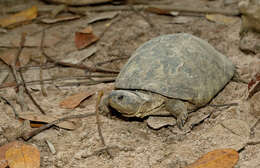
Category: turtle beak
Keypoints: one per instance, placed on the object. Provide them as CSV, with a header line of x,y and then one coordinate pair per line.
x,y
125,102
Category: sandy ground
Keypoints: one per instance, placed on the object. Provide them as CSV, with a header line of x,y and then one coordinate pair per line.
x,y
131,142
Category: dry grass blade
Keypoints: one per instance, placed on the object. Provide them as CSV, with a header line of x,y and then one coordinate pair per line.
x,y
100,94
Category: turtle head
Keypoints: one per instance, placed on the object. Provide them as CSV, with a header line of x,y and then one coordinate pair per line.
x,y
126,102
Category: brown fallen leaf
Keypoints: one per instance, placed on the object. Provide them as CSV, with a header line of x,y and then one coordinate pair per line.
x,y
18,18
21,155
38,119
219,158
3,150
74,100
254,85
8,56
85,37
25,57
218,18
59,19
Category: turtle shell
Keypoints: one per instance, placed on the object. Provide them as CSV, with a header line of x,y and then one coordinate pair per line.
x,y
179,66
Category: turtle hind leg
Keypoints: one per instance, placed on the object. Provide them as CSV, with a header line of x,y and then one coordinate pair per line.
x,y
178,109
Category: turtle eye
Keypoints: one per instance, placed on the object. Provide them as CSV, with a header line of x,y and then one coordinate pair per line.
x,y
120,97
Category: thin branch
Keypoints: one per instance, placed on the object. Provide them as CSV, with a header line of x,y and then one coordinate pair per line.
x,y
100,94
11,105
80,66
49,80
30,96
111,60
28,135
43,90
17,78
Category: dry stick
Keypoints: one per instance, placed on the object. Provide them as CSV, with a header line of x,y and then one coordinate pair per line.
x,y
100,94
36,82
92,82
29,94
44,93
17,78
12,106
80,66
106,8
29,135
111,60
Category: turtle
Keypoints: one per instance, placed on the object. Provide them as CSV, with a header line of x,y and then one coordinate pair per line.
x,y
169,75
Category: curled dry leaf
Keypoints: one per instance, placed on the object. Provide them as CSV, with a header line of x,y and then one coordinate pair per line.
x,y
102,16
59,19
18,18
38,119
74,100
21,155
254,85
85,37
219,158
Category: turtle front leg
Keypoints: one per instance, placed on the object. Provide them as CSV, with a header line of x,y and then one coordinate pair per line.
x,y
178,109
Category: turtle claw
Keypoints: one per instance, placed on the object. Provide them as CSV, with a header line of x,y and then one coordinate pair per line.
x,y
182,119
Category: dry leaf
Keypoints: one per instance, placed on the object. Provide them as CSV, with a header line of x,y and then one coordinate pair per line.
x,y
73,101
219,158
254,85
18,18
102,16
34,118
3,150
218,18
23,156
8,56
25,57
59,19
84,38
78,57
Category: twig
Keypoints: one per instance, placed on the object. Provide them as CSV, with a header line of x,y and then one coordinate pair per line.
x,y
100,94
223,105
29,135
11,105
105,8
17,78
44,93
36,82
111,60
92,82
252,129
80,66
104,149
29,94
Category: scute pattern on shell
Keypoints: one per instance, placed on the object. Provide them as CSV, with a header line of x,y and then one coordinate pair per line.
x,y
178,66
